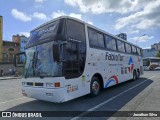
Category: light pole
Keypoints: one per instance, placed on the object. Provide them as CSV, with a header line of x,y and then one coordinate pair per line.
x,y
140,37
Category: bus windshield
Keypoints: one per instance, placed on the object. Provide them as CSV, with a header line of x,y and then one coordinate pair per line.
x,y
155,60
40,61
52,31
146,62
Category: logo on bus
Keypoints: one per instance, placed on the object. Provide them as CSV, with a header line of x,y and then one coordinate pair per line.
x,y
114,57
131,65
113,79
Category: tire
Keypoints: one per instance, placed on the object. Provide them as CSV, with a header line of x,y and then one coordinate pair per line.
x,y
138,74
134,75
95,87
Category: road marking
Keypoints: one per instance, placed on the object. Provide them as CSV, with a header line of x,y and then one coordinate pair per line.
x,y
12,100
103,103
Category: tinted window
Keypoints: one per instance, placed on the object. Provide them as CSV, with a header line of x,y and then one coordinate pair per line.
x,y
128,48
75,52
114,46
100,40
134,50
75,30
139,51
110,43
120,45
96,39
93,38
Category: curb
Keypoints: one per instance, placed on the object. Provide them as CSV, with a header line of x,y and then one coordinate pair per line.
x,y
10,78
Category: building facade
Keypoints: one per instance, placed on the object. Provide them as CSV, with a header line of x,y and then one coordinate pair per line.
x,y
150,52
156,46
16,38
123,36
9,50
1,37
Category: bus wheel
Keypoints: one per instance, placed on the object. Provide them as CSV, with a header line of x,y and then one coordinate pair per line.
x,y
134,75
138,74
95,86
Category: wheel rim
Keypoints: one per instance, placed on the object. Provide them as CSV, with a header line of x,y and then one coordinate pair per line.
x,y
95,87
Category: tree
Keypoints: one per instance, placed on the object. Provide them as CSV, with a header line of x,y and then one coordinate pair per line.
x,y
158,54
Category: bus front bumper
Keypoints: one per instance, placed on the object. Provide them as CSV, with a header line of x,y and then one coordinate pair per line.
x,y
46,94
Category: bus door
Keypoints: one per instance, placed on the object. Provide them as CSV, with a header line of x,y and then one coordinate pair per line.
x,y
72,64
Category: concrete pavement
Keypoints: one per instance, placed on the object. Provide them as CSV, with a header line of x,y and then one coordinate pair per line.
x,y
144,95
9,78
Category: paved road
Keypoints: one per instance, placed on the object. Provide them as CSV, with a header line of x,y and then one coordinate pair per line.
x,y
139,95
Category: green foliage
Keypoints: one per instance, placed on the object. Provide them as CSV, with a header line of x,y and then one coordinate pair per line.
x,y
158,54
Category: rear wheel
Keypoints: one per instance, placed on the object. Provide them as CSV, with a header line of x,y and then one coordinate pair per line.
x,y
138,74
134,75
95,86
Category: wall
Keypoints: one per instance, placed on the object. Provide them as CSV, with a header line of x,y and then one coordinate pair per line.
x,y
16,39
1,36
6,66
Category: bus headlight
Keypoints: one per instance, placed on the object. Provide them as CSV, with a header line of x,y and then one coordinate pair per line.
x,y
49,84
24,83
57,84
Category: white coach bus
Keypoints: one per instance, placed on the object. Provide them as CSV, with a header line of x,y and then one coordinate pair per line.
x,y
67,58
151,63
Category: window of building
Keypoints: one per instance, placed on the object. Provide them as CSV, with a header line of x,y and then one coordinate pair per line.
x,y
120,46
11,49
128,48
5,55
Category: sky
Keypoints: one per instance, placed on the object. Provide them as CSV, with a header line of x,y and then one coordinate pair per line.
x,y
139,19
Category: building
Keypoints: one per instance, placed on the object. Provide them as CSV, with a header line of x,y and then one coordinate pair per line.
x,y
1,37
150,52
156,46
9,50
23,43
16,38
123,36
22,40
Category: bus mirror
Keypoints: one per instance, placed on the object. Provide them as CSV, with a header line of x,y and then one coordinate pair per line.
x,y
19,59
56,56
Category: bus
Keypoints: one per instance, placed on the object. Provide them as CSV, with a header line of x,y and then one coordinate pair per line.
x,y
67,58
151,63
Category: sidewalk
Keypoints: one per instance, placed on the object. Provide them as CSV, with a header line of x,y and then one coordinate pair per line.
x,y
9,78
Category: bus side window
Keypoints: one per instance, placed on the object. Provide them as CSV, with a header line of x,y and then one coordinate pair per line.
x,y
100,40
110,42
96,39
120,45
128,48
138,51
134,51
93,38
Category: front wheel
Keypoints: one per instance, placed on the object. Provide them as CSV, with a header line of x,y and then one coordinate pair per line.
x,y
95,86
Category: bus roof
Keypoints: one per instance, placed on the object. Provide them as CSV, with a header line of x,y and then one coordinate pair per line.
x,y
87,25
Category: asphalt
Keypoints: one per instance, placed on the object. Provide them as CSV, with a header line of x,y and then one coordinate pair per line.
x,y
138,95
